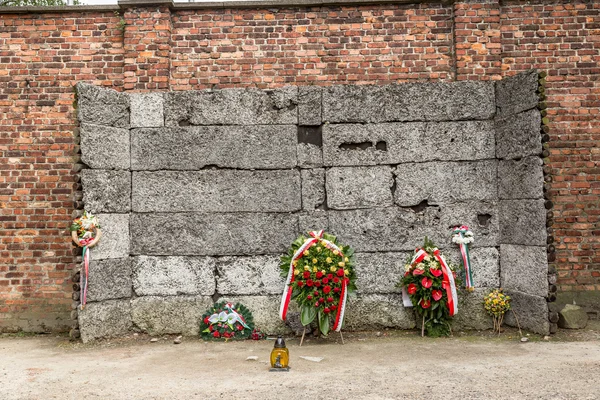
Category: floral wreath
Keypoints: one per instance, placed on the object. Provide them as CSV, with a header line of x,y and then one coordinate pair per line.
x,y
319,276
227,321
85,230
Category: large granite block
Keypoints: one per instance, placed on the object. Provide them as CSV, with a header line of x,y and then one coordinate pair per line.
x,y
471,312
189,148
313,188
485,264
446,182
380,272
169,315
103,147
265,311
520,179
523,222
232,107
115,237
394,143
309,106
101,106
524,268
312,221
519,135
217,191
517,93
372,311
147,110
212,234
309,155
258,275
359,187
109,279
106,191
437,101
172,276
106,319
531,311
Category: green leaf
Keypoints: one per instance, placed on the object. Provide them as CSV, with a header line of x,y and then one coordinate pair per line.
x,y
323,323
206,330
307,315
73,227
435,305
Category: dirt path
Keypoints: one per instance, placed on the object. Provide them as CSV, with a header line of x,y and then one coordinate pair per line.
x,y
366,367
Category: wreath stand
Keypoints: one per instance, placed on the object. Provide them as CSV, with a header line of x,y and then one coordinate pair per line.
x,y
304,333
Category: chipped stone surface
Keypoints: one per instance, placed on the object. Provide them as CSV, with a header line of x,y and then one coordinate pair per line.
x,y
379,272
103,147
265,310
106,319
257,275
445,182
216,191
357,144
519,135
147,110
359,187
169,315
378,310
523,222
173,276
522,179
309,155
313,221
532,312
232,107
313,188
115,237
195,147
106,191
109,279
517,93
485,264
101,106
436,101
212,233
471,312
309,106
524,268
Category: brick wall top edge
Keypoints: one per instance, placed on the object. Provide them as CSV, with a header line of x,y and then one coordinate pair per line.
x,y
58,9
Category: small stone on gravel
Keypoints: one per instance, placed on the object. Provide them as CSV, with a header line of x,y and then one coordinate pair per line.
x,y
177,340
154,340
252,358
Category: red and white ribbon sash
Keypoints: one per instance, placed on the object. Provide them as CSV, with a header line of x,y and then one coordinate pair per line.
x,y
462,236
84,275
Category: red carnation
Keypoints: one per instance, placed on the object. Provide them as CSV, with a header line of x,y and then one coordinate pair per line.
x,y
318,283
330,299
436,294
240,328
340,272
336,280
309,283
206,320
300,283
329,276
326,310
317,304
336,290
347,281
426,282
412,288
319,274
210,328
332,307
436,272
216,334
306,274
325,281
321,300
316,292
327,289
418,272
425,304
309,297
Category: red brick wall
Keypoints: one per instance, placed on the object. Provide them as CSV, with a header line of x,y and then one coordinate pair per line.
x,y
43,55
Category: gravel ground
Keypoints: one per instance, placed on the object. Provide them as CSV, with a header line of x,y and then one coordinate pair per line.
x,y
388,365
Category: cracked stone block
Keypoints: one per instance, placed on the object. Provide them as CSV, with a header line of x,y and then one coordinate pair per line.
x,y
379,272
103,147
519,135
309,105
517,93
532,312
485,264
435,101
359,187
173,276
115,237
232,107
309,156
313,188
403,142
146,110
312,221
217,191
521,179
106,319
523,222
196,147
101,106
471,312
212,233
265,311
446,182
257,275
169,315
378,310
524,268
109,279
106,191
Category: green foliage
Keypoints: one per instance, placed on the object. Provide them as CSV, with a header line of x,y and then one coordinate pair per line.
x,y
122,23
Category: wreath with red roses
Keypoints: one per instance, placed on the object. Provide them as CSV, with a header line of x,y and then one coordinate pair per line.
x,y
225,321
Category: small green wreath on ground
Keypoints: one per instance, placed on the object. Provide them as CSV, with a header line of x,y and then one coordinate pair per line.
x,y
227,321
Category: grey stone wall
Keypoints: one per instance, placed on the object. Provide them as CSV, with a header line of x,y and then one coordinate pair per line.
x,y
200,192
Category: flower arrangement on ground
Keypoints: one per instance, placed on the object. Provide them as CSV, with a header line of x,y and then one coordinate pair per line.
x,y
227,321
497,303
319,277
428,285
